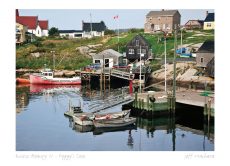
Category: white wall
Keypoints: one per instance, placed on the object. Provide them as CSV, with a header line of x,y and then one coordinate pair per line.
x,y
101,62
45,32
70,35
38,31
94,33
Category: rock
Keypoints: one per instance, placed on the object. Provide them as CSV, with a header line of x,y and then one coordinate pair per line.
x,y
95,45
58,74
69,73
92,54
36,54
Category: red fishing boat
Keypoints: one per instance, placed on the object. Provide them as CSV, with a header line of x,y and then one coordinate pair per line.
x,y
46,78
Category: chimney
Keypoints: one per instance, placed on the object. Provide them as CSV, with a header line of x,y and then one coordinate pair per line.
x,y
17,13
206,13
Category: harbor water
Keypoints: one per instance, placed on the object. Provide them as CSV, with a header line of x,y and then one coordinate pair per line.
x,y
42,126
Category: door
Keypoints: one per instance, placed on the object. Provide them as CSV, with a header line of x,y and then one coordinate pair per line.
x,y
106,62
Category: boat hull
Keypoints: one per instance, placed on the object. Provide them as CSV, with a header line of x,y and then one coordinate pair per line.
x,y
114,122
22,81
82,120
37,79
86,119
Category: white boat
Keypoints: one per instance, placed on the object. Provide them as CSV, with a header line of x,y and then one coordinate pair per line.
x,y
120,122
88,118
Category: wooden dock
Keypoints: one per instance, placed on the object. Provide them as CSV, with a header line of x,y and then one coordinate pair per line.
x,y
163,101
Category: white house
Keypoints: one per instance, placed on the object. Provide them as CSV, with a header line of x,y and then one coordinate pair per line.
x,y
35,26
93,29
71,33
111,58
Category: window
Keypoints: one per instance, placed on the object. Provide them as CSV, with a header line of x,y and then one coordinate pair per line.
x,y
77,35
209,24
157,27
138,51
201,60
143,51
131,51
137,43
97,61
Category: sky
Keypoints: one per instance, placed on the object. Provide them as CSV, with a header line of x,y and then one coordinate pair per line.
x,y
71,19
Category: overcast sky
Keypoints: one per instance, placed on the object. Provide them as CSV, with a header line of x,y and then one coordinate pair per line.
x,y
128,18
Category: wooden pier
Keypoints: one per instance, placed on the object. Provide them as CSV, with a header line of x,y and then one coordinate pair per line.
x,y
160,101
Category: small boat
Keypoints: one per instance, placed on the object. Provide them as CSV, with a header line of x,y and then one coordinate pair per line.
x,y
82,129
83,119
46,78
99,131
22,81
87,118
120,122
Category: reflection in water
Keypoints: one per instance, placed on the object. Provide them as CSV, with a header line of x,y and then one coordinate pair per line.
x,y
56,131
130,140
22,98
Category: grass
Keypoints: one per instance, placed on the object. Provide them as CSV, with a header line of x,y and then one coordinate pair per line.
x,y
65,53
74,60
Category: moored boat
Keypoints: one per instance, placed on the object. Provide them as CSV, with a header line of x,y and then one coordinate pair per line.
x,y
120,122
46,78
87,118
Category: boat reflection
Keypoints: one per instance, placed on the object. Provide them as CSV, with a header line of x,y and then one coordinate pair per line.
x,y
49,89
99,131
82,129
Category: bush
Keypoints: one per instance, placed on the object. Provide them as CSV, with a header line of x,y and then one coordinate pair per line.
x,y
109,32
135,30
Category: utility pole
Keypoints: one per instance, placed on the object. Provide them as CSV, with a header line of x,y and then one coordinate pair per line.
x,y
174,67
140,68
181,39
104,71
118,33
165,63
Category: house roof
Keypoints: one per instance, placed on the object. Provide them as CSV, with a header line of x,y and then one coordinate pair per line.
x,y
43,24
207,47
109,53
29,21
99,27
201,22
210,17
139,36
162,13
70,31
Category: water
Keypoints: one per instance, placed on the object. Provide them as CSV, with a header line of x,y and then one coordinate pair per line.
x,y
42,126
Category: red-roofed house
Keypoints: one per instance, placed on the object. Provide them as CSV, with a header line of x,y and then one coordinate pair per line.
x,y
43,27
37,27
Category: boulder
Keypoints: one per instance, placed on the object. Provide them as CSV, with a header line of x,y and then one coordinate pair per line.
x,y
69,73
